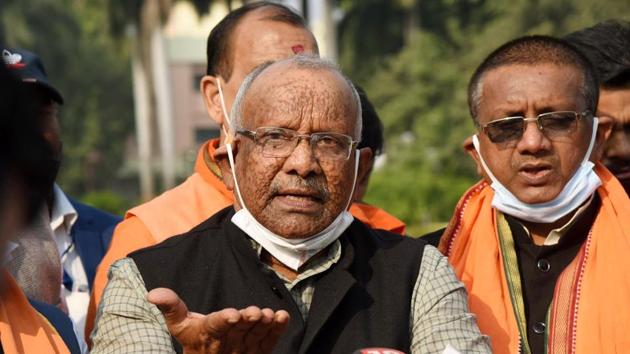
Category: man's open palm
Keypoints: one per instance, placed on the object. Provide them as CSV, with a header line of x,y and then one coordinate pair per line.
x,y
230,331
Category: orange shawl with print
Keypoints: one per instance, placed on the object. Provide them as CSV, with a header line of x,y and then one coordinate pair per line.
x,y
22,329
590,311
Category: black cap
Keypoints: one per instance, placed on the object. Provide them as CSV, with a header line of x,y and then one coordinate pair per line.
x,y
29,68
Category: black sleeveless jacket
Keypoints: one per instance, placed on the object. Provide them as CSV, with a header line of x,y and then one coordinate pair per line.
x,y
361,301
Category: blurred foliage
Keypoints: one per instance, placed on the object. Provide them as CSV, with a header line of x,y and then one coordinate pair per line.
x,y
92,71
414,59
108,201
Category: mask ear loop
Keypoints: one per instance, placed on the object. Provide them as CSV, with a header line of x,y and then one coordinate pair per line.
x,y
228,144
354,182
228,137
475,140
591,145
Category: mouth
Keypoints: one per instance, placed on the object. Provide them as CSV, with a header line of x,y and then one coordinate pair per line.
x,y
304,201
535,173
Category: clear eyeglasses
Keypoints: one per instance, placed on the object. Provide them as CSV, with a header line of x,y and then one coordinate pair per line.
x,y
280,142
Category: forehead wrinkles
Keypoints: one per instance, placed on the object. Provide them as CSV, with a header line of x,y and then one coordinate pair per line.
x,y
299,102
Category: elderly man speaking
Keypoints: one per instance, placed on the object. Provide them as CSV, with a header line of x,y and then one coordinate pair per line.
x,y
543,242
287,269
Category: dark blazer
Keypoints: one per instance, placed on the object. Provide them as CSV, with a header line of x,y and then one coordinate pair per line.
x,y
363,300
61,322
91,234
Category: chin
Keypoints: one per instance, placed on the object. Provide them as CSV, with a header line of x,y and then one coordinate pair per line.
x,y
538,195
297,226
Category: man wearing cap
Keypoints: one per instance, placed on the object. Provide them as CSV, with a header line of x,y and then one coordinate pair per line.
x,y
58,254
265,32
542,242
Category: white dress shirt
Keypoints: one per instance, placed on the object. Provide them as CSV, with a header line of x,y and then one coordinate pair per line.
x,y
62,219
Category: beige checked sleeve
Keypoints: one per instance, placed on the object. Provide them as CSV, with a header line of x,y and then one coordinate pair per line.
x,y
126,322
440,314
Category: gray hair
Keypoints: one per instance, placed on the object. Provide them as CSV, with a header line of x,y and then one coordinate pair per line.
x,y
301,62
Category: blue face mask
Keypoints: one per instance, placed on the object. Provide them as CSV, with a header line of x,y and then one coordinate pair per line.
x,y
578,189
291,252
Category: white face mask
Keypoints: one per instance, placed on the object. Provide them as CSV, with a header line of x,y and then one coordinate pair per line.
x,y
580,187
291,252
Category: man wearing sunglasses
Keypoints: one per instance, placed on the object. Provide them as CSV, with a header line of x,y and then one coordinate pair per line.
x,y
542,242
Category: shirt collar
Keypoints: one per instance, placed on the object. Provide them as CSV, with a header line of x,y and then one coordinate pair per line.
x,y
554,236
63,213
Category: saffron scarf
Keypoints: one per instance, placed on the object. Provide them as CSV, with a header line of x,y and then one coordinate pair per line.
x,y
22,329
590,309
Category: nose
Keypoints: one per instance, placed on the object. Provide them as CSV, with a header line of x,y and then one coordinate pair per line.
x,y
533,140
302,160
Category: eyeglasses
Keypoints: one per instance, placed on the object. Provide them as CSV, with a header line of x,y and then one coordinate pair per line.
x,y
280,142
552,124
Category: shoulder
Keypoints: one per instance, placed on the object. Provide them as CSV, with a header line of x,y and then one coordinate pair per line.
x,y
93,216
387,249
433,238
383,239
205,233
60,321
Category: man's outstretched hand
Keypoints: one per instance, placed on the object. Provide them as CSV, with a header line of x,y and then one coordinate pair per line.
x,y
231,331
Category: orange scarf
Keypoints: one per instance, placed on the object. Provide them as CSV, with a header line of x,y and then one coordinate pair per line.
x,y
590,311
22,329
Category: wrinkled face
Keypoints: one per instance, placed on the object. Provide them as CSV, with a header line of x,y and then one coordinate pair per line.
x,y
615,103
296,196
257,41
534,168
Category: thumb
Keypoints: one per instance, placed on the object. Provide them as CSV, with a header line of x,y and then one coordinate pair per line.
x,y
172,307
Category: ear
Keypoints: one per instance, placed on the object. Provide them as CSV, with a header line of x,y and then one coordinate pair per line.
x,y
604,129
221,158
366,162
211,98
469,147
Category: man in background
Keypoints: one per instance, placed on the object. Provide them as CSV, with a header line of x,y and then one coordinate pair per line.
x,y
607,46
26,326
60,250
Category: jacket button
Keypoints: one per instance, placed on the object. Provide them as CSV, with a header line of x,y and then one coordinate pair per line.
x,y
543,265
539,327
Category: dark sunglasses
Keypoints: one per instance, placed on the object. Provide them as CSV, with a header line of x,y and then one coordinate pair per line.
x,y
552,124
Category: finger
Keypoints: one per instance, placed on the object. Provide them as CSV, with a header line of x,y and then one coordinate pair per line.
x,y
218,324
172,307
234,339
278,327
258,332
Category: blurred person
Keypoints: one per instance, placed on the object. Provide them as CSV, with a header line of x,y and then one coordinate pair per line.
x,y
542,242
246,38
60,250
26,326
287,268
607,45
372,137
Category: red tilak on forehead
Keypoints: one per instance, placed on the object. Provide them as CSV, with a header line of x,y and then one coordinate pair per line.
x,y
297,49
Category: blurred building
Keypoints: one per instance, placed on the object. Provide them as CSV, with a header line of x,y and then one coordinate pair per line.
x,y
180,52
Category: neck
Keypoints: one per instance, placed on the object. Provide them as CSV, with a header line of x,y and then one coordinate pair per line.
x,y
540,231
